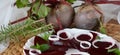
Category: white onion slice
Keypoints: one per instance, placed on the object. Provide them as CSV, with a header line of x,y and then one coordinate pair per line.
x,y
85,42
104,40
67,33
81,33
38,51
54,38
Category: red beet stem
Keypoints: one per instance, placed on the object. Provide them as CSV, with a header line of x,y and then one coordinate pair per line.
x,y
59,22
19,20
106,2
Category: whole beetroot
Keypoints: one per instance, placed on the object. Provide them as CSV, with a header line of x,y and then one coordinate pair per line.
x,y
86,17
61,15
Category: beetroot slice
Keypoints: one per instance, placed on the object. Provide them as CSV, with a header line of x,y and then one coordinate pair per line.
x,y
99,51
63,35
53,53
39,40
35,52
26,52
59,45
84,37
94,36
103,44
56,30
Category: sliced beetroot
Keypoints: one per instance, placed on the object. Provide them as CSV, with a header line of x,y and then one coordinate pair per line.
x,y
85,44
26,52
99,51
94,36
53,53
74,43
60,43
63,35
56,30
84,37
103,44
35,52
53,38
39,40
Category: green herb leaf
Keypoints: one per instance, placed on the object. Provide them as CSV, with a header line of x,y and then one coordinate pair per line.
x,y
103,30
41,11
71,1
115,50
46,35
22,3
98,37
42,47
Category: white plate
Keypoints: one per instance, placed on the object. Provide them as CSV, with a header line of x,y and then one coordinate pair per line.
x,y
73,31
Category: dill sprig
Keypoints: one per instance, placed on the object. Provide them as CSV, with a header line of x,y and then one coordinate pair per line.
x,y
27,28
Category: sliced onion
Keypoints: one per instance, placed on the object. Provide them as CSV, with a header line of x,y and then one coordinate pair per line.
x,y
104,40
83,33
69,36
54,38
85,42
37,52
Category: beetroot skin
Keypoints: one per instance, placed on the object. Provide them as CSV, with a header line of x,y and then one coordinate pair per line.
x,y
62,14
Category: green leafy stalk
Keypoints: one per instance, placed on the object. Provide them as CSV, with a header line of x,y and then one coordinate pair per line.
x,y
102,28
29,27
15,31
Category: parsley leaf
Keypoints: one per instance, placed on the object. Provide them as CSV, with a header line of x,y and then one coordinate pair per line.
x,y
22,3
42,47
71,1
46,35
103,30
115,50
42,11
97,37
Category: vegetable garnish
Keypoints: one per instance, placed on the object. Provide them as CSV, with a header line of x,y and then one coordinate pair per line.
x,y
42,47
115,50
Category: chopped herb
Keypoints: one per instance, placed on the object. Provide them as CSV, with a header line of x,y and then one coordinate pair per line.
x,y
97,37
71,1
115,50
42,47
46,35
22,3
102,28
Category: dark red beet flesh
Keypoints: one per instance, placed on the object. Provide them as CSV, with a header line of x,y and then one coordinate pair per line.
x,y
35,52
94,36
99,51
54,53
63,35
85,45
26,52
103,44
84,37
